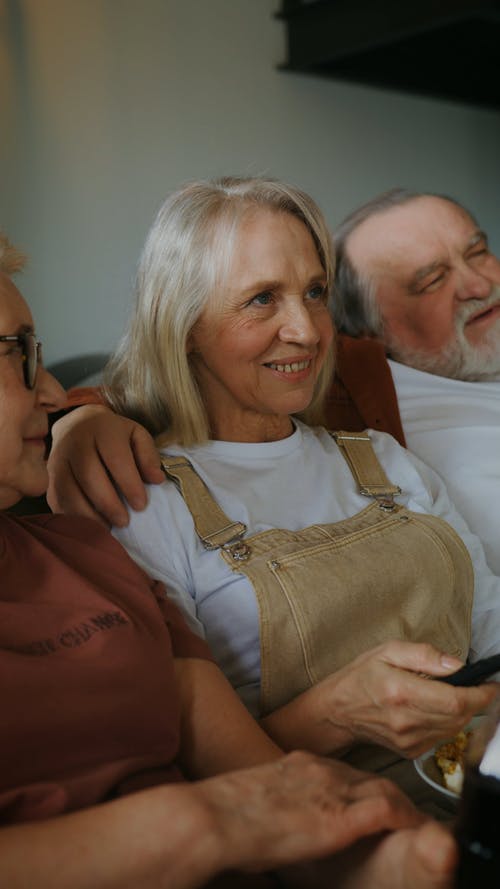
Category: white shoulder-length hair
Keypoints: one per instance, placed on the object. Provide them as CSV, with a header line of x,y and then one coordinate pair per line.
x,y
186,258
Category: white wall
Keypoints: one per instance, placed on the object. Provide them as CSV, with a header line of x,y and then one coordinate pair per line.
x,y
106,105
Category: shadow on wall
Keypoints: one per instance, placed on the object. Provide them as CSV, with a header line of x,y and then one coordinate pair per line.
x,y
82,370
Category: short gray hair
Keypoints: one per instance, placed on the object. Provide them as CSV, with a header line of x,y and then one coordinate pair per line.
x,y
185,260
12,260
355,310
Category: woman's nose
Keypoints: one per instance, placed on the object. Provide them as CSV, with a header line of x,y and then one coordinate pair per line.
x,y
298,326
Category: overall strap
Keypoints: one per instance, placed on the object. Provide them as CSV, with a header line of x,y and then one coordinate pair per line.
x,y
211,524
372,481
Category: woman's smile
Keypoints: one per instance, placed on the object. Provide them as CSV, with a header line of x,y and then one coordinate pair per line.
x,y
294,368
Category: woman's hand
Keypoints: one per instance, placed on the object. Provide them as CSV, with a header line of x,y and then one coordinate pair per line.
x,y
302,808
95,452
299,807
382,697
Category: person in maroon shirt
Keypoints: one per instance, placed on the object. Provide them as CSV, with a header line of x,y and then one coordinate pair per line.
x,y
109,702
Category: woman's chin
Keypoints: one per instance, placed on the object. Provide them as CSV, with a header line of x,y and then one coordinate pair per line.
x,y
37,489
294,402
35,486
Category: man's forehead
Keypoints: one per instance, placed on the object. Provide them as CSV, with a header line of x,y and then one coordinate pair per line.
x,y
414,235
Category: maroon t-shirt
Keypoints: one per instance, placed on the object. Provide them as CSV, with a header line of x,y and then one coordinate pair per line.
x,y
89,708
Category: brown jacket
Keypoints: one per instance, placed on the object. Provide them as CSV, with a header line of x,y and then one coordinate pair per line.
x,y
362,393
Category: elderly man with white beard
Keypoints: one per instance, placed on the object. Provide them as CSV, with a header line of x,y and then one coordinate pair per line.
x,y
416,283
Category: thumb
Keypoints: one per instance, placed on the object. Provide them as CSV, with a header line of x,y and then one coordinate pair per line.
x,y
436,855
420,658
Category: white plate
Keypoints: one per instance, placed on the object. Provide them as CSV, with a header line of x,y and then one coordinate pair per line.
x,y
428,770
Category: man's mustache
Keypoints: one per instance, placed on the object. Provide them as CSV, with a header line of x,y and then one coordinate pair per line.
x,y
474,306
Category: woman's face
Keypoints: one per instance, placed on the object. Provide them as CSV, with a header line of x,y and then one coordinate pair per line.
x,y
23,412
259,345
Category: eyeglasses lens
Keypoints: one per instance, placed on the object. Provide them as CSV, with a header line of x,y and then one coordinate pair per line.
x,y
31,356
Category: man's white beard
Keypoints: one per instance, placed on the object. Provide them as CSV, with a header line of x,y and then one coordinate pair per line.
x,y
459,360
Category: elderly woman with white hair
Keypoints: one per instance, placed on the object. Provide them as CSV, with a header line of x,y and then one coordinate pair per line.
x,y
329,573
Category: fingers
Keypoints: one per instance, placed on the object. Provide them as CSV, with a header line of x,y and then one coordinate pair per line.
x,y
422,859
130,462
379,810
114,458
146,456
100,502
96,456
425,858
436,856
363,803
383,698
456,702
420,712
431,698
419,657
426,660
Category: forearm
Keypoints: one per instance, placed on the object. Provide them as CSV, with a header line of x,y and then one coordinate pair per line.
x,y
308,723
218,733
157,839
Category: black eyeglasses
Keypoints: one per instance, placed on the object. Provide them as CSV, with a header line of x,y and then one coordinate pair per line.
x,y
31,350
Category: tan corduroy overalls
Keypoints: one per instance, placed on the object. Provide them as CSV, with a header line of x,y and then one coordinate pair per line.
x,y
327,593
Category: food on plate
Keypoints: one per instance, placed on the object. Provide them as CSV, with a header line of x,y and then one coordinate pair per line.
x,y
449,759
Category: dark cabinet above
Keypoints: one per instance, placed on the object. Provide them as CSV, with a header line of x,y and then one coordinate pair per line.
x,y
449,49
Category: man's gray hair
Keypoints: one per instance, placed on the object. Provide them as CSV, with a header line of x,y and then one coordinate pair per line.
x,y
355,310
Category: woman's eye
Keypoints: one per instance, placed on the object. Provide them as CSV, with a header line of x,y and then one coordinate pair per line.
x,y
317,292
262,299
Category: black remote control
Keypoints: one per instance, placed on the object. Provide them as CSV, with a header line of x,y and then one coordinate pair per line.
x,y
473,674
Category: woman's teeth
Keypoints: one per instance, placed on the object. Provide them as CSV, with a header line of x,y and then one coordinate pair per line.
x,y
290,368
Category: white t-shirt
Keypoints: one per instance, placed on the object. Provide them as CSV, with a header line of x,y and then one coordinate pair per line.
x,y
454,426
291,484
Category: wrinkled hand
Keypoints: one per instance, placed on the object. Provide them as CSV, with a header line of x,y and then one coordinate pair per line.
x,y
384,698
95,452
297,808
